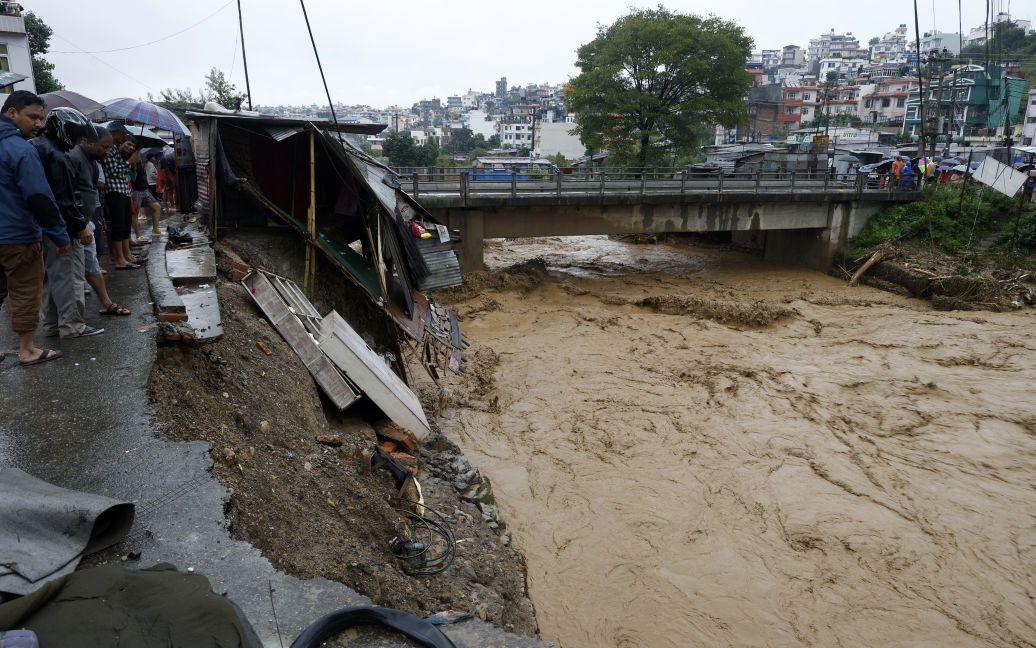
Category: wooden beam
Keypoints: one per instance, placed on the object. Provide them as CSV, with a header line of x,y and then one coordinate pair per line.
x,y
310,274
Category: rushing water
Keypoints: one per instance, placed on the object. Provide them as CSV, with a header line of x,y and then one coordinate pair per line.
x,y
862,472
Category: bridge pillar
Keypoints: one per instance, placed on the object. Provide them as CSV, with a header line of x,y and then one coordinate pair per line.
x,y
473,230
816,247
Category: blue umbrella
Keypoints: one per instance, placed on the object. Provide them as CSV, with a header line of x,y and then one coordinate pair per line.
x,y
145,112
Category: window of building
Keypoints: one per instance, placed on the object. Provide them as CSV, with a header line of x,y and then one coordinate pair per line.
x,y
807,97
1031,120
900,102
886,102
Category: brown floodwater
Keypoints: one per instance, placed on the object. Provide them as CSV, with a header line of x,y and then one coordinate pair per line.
x,y
860,471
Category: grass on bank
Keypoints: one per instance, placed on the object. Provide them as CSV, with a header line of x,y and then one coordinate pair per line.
x,y
953,219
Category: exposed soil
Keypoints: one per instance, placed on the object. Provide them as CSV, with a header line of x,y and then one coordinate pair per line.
x,y
853,468
316,510
964,281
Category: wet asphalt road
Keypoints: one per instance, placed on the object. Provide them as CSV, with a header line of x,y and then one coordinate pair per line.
x,y
83,422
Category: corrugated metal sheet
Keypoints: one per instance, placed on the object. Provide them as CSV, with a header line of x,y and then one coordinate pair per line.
x,y
434,265
201,134
10,78
281,133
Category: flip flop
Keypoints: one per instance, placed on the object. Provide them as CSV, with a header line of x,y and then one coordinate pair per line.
x,y
46,356
114,309
128,266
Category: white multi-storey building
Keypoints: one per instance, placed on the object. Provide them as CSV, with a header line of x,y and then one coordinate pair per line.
x,y
831,45
891,48
937,40
14,47
1029,124
977,36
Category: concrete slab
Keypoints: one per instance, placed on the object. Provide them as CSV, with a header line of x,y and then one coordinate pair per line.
x,y
203,313
84,422
163,292
191,266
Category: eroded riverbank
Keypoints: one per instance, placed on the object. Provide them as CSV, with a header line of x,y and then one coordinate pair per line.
x,y
855,469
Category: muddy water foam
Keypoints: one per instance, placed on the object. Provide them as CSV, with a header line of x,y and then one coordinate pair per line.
x,y
862,472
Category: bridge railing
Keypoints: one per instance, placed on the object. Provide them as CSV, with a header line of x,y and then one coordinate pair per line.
x,y
466,182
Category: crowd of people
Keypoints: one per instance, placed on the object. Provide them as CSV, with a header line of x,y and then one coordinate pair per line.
x,y
71,194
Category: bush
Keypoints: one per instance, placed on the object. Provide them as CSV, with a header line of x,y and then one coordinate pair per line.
x,y
1026,239
941,219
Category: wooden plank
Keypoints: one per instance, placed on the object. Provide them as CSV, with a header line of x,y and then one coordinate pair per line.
x,y
292,330
372,374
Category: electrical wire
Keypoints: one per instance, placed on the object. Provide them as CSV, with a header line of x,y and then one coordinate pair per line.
x,y
103,62
330,104
436,525
157,40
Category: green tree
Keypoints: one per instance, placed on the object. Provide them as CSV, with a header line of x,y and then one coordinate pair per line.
x,y
38,34
650,78
430,152
401,150
559,160
222,91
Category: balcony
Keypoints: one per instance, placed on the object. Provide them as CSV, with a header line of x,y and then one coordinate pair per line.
x,y
11,21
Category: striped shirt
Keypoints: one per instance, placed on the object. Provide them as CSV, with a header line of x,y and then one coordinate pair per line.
x,y
116,173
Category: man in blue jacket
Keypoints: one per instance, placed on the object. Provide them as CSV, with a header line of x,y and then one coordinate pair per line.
x,y
28,211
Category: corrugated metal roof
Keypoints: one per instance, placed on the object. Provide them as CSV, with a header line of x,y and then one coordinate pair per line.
x,y
10,78
281,133
269,120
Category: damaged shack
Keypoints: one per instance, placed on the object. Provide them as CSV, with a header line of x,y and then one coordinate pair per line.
x,y
368,249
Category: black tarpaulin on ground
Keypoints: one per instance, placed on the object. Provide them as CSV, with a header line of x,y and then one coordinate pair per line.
x,y
156,607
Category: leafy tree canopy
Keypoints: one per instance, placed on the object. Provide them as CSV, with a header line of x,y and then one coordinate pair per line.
x,y
38,34
402,151
217,88
222,91
650,79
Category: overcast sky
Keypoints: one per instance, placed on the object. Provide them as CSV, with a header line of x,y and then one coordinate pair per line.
x,y
396,52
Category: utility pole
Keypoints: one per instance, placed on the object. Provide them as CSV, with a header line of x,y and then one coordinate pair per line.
x,y
244,57
953,114
936,58
921,98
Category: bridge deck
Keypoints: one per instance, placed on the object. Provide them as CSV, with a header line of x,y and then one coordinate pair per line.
x,y
456,189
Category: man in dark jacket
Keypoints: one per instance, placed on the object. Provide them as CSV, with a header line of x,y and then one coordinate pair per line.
x,y
27,212
63,129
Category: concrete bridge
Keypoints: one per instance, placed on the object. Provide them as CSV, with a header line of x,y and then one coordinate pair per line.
x,y
798,220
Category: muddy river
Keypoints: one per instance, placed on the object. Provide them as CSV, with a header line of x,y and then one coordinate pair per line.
x,y
693,447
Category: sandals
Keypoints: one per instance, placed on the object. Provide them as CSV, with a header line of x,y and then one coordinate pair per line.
x,y
46,356
128,266
114,309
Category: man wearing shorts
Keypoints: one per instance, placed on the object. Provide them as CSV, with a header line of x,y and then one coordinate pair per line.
x,y
117,197
28,211
83,158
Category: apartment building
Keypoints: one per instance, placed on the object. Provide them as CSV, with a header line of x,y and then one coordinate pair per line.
x,y
14,47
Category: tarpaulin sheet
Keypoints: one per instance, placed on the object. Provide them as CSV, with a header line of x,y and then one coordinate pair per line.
x,y
46,529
